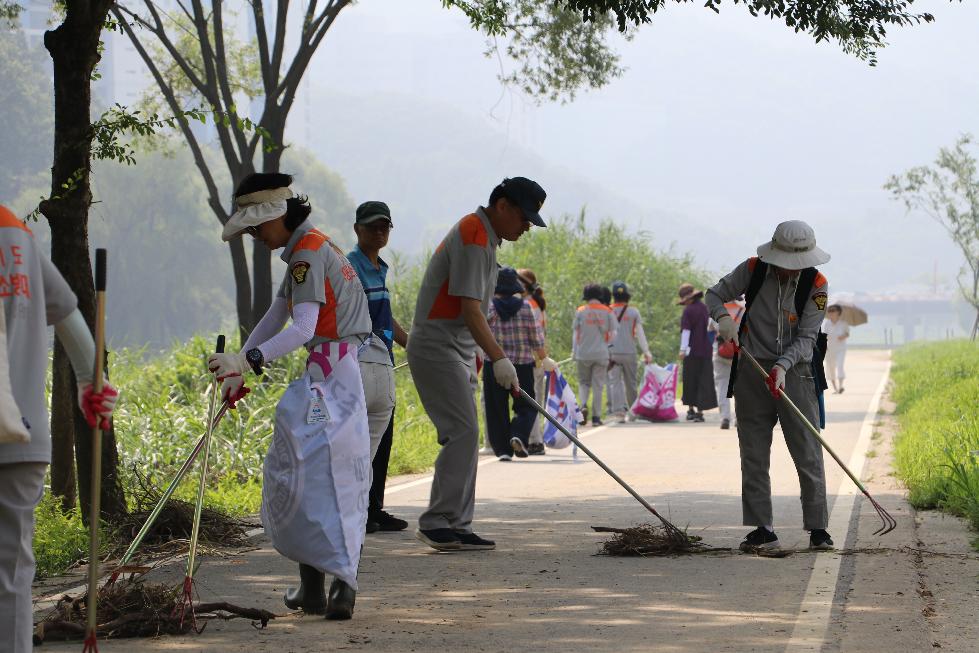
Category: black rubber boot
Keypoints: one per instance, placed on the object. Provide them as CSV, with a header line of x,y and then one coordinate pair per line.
x,y
340,604
311,594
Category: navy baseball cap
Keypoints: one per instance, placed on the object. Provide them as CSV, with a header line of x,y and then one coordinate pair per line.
x,y
528,195
372,211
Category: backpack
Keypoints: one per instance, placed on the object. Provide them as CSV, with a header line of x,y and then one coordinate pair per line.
x,y
806,279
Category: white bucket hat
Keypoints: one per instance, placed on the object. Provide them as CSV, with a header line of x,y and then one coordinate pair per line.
x,y
792,247
255,208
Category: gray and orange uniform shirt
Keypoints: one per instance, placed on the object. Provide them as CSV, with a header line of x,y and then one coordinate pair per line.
x,y
463,265
773,331
34,296
594,331
629,331
319,272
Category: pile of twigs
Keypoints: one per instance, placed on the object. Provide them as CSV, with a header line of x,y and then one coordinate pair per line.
x,y
136,609
651,540
176,520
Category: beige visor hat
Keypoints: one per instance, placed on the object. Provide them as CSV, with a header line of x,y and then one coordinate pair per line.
x,y
793,247
255,208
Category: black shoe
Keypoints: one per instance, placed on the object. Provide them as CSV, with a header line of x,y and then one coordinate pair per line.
x,y
760,538
698,417
691,414
725,424
584,416
596,421
385,521
536,449
372,526
820,540
340,605
518,449
473,542
841,389
310,596
440,539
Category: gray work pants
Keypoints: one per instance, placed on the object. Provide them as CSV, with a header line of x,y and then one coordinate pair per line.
x,y
758,411
21,487
379,395
591,377
446,391
622,380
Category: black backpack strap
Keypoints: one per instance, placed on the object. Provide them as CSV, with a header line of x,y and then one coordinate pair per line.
x,y
802,291
754,285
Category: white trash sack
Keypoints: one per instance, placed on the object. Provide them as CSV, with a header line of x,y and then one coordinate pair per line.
x,y
317,470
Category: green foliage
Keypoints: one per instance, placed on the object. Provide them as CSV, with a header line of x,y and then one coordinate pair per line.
x,y
936,388
60,539
567,255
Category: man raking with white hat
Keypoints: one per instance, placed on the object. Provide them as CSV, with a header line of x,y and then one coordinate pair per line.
x,y
786,299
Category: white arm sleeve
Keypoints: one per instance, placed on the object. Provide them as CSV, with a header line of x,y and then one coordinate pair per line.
x,y
77,340
300,332
685,341
270,324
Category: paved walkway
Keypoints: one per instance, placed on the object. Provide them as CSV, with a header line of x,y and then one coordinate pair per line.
x,y
544,589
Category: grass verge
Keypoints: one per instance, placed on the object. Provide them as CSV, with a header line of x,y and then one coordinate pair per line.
x,y
936,389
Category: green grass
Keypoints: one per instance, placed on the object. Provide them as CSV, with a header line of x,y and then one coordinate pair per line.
x,y
60,539
936,389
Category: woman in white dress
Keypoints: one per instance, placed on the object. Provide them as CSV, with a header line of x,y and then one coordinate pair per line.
x,y
837,331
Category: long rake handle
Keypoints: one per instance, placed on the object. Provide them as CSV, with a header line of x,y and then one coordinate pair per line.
x,y
523,394
95,503
199,505
158,508
808,424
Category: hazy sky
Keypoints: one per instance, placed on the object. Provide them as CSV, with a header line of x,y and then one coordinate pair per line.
x,y
720,120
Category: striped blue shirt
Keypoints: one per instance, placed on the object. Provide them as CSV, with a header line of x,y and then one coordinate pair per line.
x,y
378,304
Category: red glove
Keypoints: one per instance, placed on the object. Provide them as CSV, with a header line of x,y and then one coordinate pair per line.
x,y
97,405
233,390
776,381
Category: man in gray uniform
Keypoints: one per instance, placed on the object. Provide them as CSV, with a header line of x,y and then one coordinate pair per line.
x,y
786,299
450,320
33,295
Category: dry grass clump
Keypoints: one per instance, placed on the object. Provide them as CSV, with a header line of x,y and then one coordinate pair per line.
x,y
137,609
650,540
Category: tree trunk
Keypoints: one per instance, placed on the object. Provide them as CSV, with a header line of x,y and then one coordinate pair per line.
x,y
63,481
74,52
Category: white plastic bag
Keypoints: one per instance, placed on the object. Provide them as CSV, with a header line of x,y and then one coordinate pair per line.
x,y
12,428
317,472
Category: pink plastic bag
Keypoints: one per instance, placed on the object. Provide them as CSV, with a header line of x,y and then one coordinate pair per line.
x,y
657,399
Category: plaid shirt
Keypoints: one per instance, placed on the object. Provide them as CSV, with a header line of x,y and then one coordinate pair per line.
x,y
520,336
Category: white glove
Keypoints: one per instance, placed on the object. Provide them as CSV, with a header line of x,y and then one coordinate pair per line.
x,y
727,329
505,373
548,364
225,365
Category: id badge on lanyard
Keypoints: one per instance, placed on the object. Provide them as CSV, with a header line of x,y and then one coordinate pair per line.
x,y
317,412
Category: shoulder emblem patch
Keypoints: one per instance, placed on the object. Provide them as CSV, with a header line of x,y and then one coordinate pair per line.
x,y
820,300
299,272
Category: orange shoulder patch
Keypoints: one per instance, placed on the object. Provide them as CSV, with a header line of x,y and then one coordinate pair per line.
x,y
8,219
313,240
819,281
472,231
752,262
581,308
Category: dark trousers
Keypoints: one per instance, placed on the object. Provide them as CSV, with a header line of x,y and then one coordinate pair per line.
x,y
499,425
380,465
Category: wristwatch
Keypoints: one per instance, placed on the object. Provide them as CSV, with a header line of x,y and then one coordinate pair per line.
x,y
255,359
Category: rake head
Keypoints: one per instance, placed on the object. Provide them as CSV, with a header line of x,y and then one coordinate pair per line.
x,y
672,532
889,523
